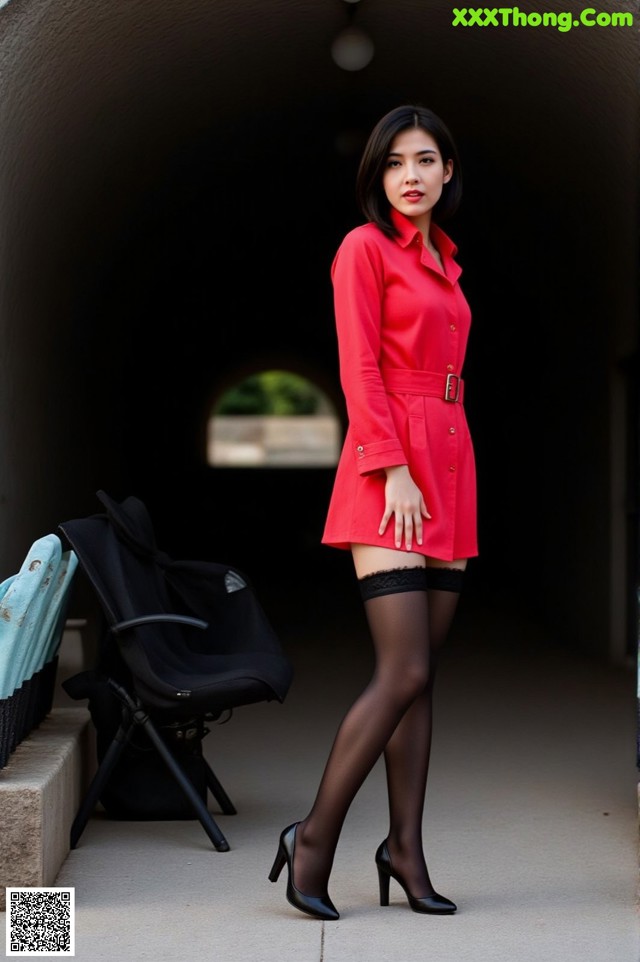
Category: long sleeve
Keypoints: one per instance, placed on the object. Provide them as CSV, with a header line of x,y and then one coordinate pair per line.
x,y
358,285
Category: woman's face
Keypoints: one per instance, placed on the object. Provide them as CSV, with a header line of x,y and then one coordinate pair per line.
x,y
414,174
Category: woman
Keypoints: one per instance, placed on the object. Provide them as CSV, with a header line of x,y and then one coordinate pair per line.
x,y
404,496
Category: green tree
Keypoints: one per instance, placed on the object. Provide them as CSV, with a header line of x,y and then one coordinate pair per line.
x,y
271,392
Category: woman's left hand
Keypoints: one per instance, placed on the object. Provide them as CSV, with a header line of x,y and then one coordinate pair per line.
x,y
404,500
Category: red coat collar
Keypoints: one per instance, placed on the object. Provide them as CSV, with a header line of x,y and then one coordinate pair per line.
x,y
407,233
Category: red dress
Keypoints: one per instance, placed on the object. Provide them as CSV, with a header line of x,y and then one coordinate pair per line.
x,y
402,327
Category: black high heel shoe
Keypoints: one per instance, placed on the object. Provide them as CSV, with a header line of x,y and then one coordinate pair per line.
x,y
434,904
321,907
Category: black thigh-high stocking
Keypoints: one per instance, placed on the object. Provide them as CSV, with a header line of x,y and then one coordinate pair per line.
x,y
397,613
407,752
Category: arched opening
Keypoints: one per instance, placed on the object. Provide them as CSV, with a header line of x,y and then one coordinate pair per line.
x,y
273,418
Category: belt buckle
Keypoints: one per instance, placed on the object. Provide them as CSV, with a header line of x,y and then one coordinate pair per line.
x,y
452,387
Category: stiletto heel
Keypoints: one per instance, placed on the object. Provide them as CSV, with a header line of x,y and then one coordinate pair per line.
x,y
383,881
278,864
432,904
320,907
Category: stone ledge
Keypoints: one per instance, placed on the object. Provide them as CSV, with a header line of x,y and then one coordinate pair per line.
x,y
40,792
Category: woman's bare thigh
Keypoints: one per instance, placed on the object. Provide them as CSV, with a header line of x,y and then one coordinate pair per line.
x,y
368,558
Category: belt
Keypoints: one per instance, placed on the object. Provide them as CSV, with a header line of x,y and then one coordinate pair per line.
x,y
397,380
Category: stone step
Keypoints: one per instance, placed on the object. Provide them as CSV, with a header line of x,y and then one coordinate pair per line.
x,y
41,787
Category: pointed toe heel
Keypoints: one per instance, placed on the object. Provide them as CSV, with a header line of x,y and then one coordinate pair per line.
x,y
320,907
432,904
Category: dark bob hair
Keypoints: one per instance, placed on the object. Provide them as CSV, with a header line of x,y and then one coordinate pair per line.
x,y
370,193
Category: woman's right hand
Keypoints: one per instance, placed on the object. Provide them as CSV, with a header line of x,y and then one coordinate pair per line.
x,y
404,500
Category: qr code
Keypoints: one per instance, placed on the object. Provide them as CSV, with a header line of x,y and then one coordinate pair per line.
x,y
40,921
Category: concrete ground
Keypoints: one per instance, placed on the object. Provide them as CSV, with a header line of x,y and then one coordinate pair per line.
x,y
531,821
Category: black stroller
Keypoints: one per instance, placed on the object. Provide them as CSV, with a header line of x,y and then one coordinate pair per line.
x,y
184,642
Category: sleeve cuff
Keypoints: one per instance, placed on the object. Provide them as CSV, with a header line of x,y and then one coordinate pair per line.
x,y
378,454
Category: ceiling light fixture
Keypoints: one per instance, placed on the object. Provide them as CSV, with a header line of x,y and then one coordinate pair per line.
x,y
352,49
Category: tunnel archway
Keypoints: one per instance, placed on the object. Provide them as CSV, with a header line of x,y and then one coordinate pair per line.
x,y
273,417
